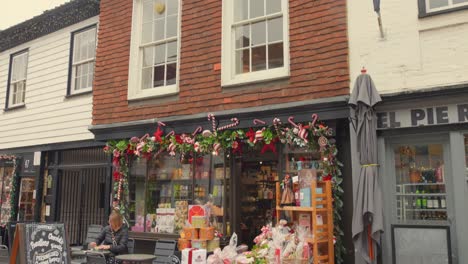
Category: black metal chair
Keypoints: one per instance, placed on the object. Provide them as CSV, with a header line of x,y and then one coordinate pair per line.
x,y
164,252
4,255
131,246
95,258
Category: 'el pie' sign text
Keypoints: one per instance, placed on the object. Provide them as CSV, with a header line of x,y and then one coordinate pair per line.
x,y
437,115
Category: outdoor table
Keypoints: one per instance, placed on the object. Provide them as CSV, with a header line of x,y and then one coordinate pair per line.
x,y
136,258
82,253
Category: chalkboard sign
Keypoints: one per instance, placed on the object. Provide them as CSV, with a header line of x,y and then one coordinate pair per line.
x,y
27,165
37,243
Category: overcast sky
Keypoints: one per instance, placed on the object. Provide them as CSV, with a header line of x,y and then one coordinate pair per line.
x,y
13,12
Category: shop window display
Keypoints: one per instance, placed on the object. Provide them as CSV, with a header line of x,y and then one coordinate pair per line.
x,y
162,191
420,183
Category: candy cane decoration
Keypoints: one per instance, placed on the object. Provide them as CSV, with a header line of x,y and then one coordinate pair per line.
x,y
213,120
197,130
234,121
258,121
170,134
276,123
161,124
119,189
303,133
314,119
144,137
291,121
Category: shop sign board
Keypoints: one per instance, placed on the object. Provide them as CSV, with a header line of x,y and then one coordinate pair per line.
x,y
424,116
40,243
27,165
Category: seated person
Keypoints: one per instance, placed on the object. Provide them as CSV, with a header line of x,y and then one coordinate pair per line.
x,y
113,237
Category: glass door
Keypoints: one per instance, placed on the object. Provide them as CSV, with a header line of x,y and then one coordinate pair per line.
x,y
418,199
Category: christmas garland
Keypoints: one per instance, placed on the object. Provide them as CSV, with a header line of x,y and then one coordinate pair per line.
x,y
313,135
14,185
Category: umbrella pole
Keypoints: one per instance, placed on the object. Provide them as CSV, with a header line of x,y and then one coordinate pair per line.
x,y
370,242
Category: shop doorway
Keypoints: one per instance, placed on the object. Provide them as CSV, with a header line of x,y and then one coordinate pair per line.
x,y
82,201
257,175
419,201
77,190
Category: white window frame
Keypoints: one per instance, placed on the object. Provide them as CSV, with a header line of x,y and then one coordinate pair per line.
x,y
228,71
450,5
74,64
12,83
135,90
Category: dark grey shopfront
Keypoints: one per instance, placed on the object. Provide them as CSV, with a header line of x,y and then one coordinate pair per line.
x,y
148,180
423,144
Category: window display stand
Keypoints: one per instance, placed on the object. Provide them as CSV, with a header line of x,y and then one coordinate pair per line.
x,y
321,221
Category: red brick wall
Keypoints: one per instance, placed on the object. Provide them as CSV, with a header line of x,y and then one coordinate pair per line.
x,y
318,57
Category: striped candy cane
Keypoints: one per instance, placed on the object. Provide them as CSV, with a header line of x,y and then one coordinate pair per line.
x,y
213,120
235,122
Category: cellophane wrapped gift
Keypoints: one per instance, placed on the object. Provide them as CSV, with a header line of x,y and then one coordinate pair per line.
x,y
227,255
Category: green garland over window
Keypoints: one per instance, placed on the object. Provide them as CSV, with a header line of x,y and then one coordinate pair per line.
x,y
317,137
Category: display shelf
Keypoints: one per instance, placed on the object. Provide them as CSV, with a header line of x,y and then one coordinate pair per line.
x,y
322,233
422,184
428,210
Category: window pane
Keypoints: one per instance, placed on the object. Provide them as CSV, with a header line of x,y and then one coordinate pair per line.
x,y
83,49
90,74
171,73
259,58
76,49
420,183
275,29
171,26
459,1
78,70
158,79
158,29
257,8
146,78
92,44
273,6
242,36
160,8
78,83
172,7
172,51
146,35
258,33
84,68
275,56
148,11
437,3
160,55
148,56
241,10
242,61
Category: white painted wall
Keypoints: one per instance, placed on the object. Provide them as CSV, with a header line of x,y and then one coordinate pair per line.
x,y
48,117
415,53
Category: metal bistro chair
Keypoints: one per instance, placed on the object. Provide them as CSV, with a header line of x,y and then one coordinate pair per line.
x,y
164,252
131,246
4,255
95,258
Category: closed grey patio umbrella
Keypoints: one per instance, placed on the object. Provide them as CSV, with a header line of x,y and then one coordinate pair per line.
x,y
368,213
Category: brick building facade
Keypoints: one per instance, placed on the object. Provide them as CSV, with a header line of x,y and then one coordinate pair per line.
x,y
305,72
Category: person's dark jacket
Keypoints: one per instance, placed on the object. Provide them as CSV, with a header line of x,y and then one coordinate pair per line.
x,y
121,239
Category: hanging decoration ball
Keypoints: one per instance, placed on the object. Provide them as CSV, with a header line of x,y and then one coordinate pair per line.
x,y
216,148
206,133
303,133
258,135
322,141
159,8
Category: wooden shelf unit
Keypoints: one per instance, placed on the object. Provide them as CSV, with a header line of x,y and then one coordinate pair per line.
x,y
322,234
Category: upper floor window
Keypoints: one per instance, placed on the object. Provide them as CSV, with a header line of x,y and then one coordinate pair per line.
x,y
255,40
428,7
82,62
154,48
16,90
